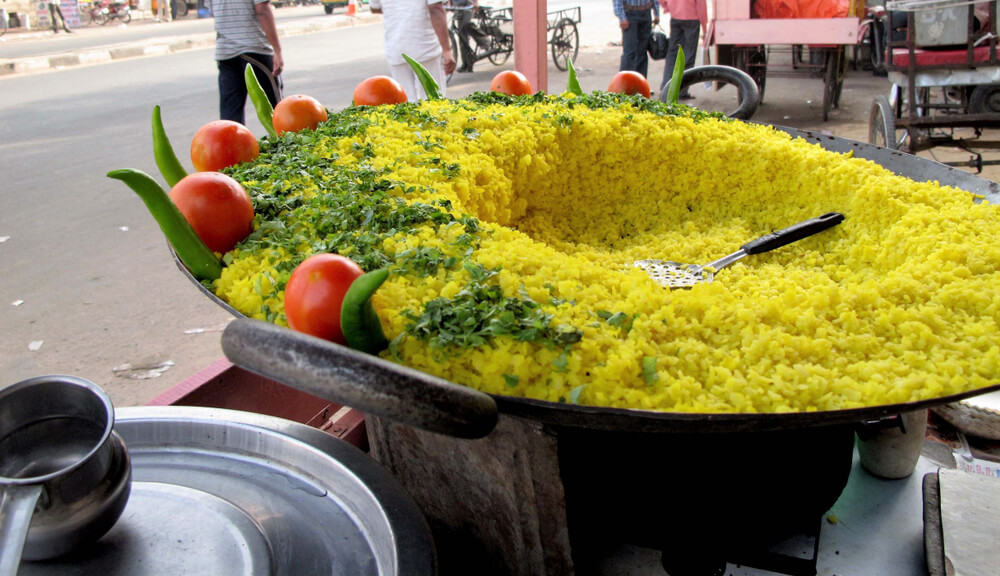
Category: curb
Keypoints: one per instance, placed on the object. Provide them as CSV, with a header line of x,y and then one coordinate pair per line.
x,y
166,45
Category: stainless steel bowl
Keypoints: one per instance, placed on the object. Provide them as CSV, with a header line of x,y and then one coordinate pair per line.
x,y
65,475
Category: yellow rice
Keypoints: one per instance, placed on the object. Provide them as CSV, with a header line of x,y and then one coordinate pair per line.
x,y
898,303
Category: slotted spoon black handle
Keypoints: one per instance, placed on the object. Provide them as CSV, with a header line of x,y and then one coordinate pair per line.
x,y
793,233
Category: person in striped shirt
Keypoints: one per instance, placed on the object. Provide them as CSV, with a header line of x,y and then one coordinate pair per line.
x,y
245,34
636,21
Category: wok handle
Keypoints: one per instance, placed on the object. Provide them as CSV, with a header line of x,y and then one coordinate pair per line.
x,y
793,233
362,381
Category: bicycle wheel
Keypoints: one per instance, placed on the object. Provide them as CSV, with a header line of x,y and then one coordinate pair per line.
x,y
882,124
86,18
125,17
182,8
565,43
501,48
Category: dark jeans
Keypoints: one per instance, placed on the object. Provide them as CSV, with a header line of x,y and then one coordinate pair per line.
x,y
233,85
683,33
635,41
463,19
55,10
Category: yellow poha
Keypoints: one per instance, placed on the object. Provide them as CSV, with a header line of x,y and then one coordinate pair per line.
x,y
508,226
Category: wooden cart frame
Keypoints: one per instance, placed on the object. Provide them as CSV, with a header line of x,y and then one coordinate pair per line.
x,y
939,95
815,46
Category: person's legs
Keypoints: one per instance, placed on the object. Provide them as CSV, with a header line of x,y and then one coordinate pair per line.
x,y
232,90
689,42
644,27
635,41
436,68
62,19
683,33
262,66
629,36
463,20
403,74
52,17
233,84
465,48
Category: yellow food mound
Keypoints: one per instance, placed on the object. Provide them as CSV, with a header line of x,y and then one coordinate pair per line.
x,y
898,303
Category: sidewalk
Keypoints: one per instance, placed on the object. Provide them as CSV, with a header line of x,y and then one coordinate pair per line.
x,y
115,49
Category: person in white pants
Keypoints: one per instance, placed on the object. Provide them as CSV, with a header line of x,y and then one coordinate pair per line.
x,y
419,29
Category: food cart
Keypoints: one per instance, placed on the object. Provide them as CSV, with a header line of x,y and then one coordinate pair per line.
x,y
944,79
750,34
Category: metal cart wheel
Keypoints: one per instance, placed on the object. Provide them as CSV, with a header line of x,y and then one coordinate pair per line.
x,y
882,124
985,99
833,79
565,43
182,8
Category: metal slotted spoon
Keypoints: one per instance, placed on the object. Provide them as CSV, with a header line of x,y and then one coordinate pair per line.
x,y
677,275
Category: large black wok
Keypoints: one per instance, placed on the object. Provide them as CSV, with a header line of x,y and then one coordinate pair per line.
x,y
704,488
383,388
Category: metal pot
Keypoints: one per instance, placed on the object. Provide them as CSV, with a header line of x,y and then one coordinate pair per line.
x,y
65,475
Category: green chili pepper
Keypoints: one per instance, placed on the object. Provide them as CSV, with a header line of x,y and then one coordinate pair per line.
x,y
265,112
189,247
573,86
426,80
673,95
170,167
358,320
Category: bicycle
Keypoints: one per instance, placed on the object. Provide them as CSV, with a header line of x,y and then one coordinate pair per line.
x,y
119,10
93,13
491,34
495,40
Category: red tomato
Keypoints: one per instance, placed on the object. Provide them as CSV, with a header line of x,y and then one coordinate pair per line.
x,y
315,293
296,113
217,207
379,90
511,82
221,144
629,82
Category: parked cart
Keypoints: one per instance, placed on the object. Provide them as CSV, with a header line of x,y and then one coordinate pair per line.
x,y
812,36
944,77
